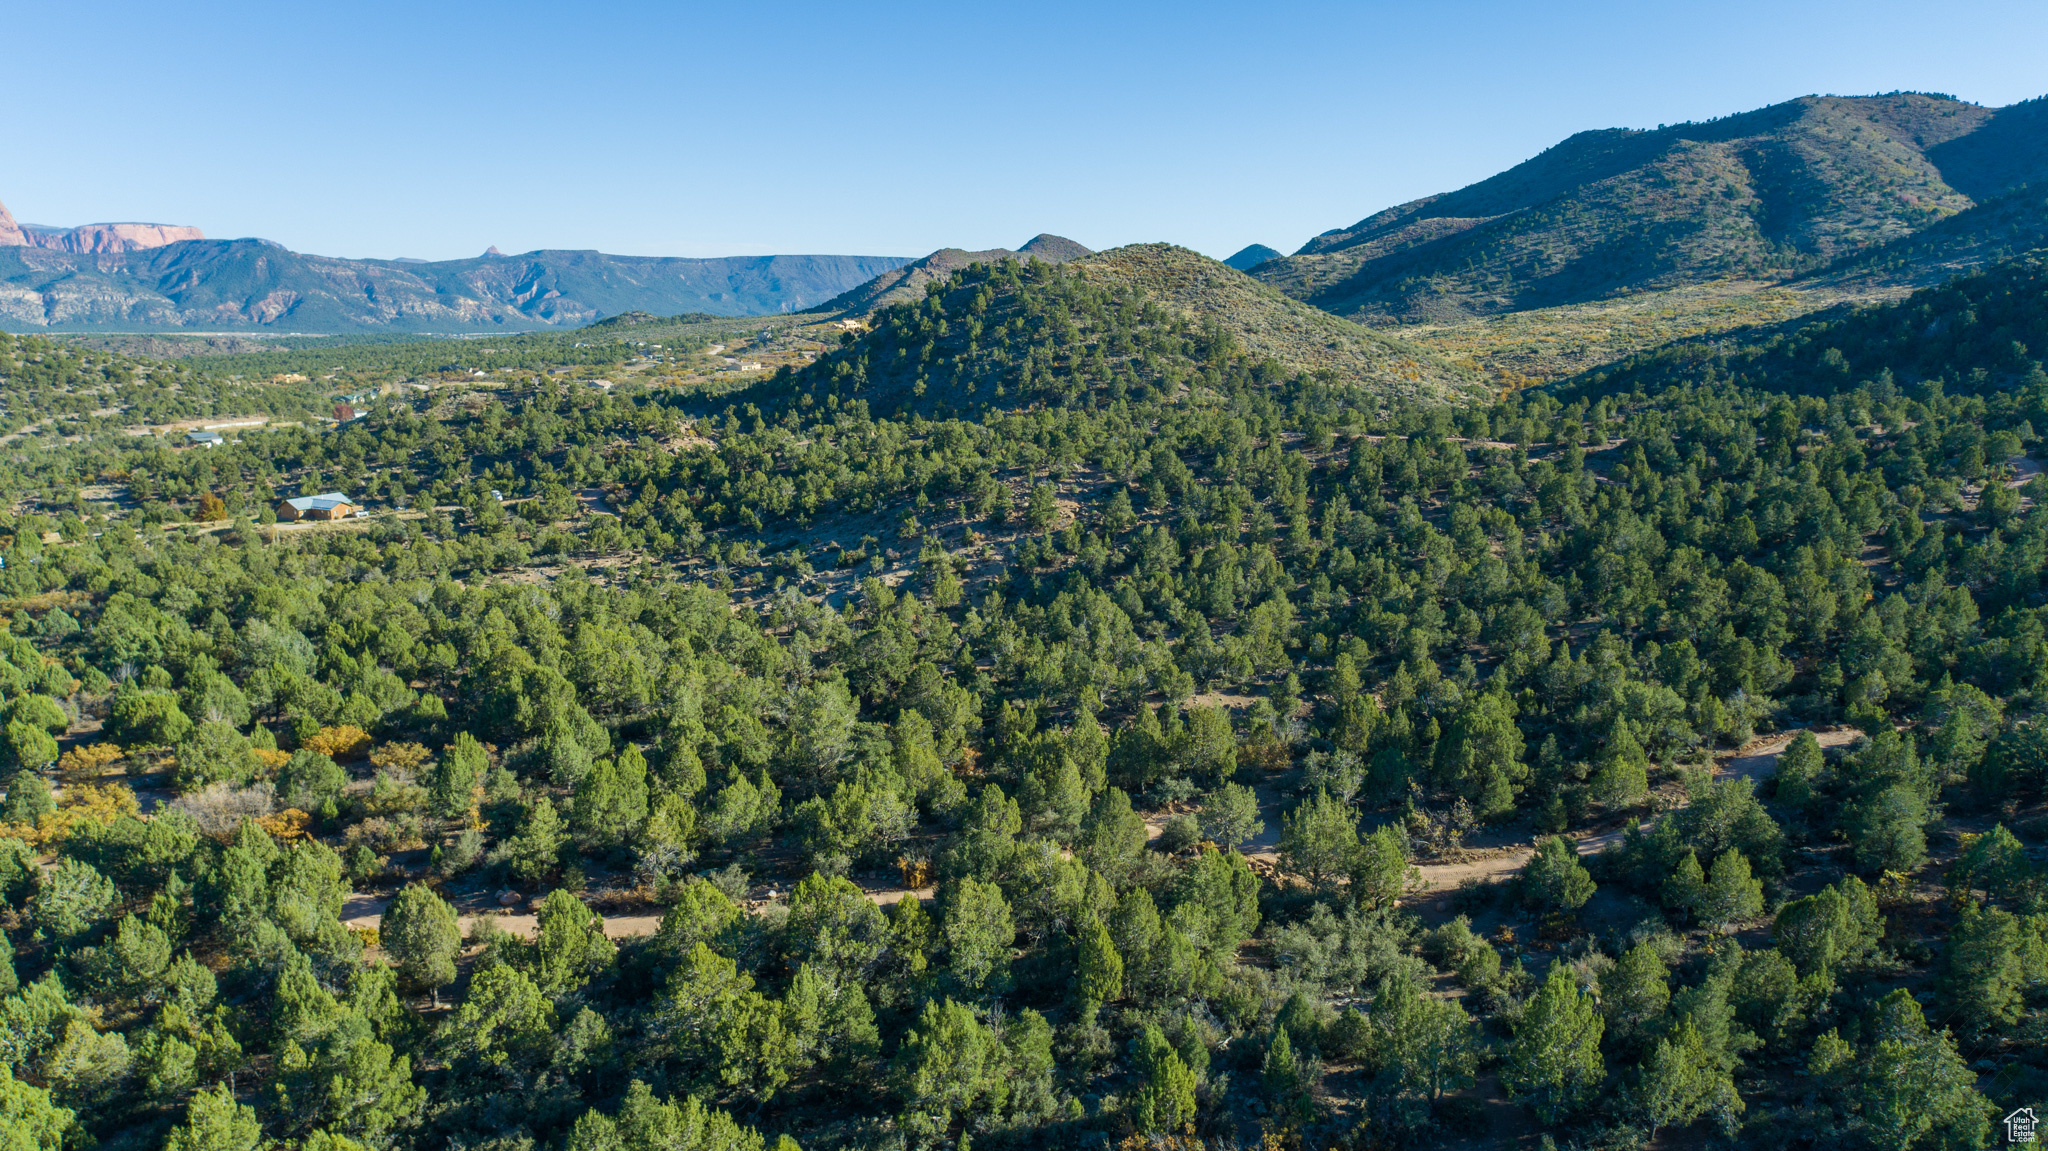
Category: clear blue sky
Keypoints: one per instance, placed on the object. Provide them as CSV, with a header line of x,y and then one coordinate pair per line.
x,y
432,130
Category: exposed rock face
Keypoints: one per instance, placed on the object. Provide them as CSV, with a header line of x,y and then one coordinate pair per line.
x,y
93,237
112,237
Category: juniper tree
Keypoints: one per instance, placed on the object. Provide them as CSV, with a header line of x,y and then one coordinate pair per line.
x,y
420,931
1553,1062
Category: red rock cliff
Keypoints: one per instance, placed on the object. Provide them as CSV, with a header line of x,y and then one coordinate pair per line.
x,y
94,237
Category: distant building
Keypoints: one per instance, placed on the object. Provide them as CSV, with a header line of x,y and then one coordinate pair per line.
x,y
343,413
204,439
325,506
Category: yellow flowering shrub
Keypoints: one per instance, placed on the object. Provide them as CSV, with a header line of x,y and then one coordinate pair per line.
x,y
340,743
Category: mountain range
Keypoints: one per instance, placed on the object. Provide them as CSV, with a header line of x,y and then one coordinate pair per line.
x,y
1818,200
1799,189
233,285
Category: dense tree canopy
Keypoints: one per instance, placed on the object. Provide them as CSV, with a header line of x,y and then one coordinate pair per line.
x,y
1024,726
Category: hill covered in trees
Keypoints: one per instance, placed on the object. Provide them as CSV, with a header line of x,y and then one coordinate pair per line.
x,y
1768,194
1033,725
1146,320
1974,334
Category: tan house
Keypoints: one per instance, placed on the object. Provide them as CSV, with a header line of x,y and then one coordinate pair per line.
x,y
326,506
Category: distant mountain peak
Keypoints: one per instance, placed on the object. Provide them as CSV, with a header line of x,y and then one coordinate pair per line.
x,y
492,253
908,281
1053,249
1251,256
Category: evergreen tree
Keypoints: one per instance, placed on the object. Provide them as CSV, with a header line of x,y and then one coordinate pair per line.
x,y
1621,771
71,899
611,800
1230,816
1799,771
1730,895
1427,1045
1099,969
453,781
1997,864
1554,879
1834,929
1288,1079
420,931
534,852
1904,1086
1166,1100
1554,1060
1319,839
215,1122
30,1122
1481,754
28,797
1685,890
1112,836
1680,1082
1633,996
1887,830
570,947
1988,963
947,1064
1380,871
1043,507
979,935
911,936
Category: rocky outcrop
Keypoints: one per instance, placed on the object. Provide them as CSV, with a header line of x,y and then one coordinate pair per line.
x,y
89,238
111,237
93,238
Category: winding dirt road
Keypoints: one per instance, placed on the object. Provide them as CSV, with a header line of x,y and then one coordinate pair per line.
x,y
1754,760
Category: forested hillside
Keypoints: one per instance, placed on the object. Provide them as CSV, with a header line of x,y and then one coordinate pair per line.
x,y
1763,195
1132,323
1973,334
1086,709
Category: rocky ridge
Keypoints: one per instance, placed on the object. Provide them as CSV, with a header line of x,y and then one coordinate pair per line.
x,y
89,238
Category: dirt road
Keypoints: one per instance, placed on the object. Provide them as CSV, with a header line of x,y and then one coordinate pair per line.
x,y
1754,760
